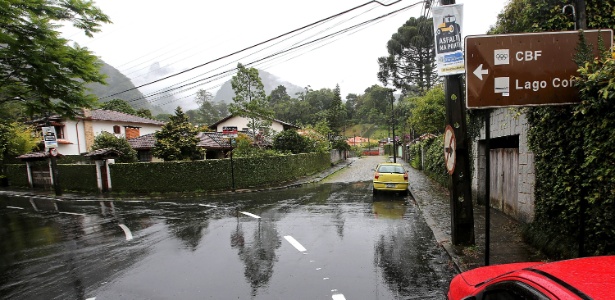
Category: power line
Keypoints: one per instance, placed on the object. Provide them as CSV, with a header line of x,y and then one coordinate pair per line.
x,y
253,46
355,27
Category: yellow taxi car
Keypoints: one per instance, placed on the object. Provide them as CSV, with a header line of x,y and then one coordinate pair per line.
x,y
390,177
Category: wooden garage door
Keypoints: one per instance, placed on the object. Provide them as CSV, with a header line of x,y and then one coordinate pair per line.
x,y
504,179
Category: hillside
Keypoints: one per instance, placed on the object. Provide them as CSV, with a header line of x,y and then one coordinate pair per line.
x,y
117,82
270,82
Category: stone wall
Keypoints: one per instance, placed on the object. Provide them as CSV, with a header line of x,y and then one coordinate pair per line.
x,y
507,122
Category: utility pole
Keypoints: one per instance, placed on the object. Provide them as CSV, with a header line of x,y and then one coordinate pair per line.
x,y
393,125
462,212
581,20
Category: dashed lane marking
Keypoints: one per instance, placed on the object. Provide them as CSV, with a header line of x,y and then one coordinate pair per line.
x,y
250,215
127,232
71,213
295,244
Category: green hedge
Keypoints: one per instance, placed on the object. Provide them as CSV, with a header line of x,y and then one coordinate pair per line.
x,y
17,175
574,153
78,177
188,176
211,175
433,149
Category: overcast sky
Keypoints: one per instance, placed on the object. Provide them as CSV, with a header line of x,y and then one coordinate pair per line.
x,y
151,39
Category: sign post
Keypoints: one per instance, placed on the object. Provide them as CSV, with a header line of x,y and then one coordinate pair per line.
x,y
525,69
520,70
51,145
449,58
230,132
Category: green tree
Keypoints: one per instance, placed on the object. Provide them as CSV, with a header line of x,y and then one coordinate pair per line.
x,y
120,106
164,117
428,113
336,114
250,100
144,113
278,96
16,139
372,106
39,70
177,139
546,15
208,112
292,141
411,60
109,140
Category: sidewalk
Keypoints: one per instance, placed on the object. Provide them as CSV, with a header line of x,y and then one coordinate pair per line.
x,y
506,244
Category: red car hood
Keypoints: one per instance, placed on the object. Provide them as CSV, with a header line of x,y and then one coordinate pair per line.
x,y
482,274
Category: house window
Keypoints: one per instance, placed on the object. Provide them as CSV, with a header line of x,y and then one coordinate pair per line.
x,y
116,129
144,156
59,132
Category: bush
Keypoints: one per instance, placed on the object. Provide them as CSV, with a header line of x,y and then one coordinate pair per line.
x,y
108,140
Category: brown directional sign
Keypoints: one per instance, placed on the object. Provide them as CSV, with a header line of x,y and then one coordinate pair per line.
x,y
525,69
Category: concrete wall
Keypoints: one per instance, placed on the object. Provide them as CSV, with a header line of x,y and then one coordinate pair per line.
x,y
508,122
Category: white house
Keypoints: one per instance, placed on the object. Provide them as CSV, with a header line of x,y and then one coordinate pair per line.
x,y
76,137
242,124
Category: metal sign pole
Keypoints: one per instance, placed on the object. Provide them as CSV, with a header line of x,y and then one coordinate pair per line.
x,y
487,186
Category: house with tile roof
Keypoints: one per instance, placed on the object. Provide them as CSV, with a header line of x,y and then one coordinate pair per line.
x,y
76,137
213,145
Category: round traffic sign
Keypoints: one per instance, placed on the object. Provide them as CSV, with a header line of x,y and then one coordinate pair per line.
x,y
53,152
450,144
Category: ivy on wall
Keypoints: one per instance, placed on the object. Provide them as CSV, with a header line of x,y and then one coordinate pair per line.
x,y
574,149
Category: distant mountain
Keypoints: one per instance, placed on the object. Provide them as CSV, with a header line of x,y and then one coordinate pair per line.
x,y
270,82
117,82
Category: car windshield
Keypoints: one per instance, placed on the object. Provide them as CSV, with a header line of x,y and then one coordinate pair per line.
x,y
391,169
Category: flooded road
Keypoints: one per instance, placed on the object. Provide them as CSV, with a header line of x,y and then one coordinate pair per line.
x,y
322,241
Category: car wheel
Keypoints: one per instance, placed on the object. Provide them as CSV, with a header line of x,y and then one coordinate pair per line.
x,y
374,192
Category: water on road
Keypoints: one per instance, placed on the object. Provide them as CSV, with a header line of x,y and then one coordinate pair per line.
x,y
330,240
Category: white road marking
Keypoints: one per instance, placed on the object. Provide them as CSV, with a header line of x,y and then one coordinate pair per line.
x,y
250,215
338,297
295,244
14,207
208,205
71,213
93,298
127,232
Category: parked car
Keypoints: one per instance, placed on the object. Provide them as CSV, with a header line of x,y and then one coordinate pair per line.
x,y
581,278
391,177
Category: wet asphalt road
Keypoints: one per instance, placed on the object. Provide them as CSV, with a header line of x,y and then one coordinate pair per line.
x,y
329,240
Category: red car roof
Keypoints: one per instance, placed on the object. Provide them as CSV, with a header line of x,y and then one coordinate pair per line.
x,y
590,276
482,274
593,276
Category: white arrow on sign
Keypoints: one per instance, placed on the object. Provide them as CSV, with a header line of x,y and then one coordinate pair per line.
x,y
479,72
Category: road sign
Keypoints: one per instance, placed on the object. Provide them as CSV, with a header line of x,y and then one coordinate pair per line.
x,y
50,137
229,131
450,146
447,21
525,69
